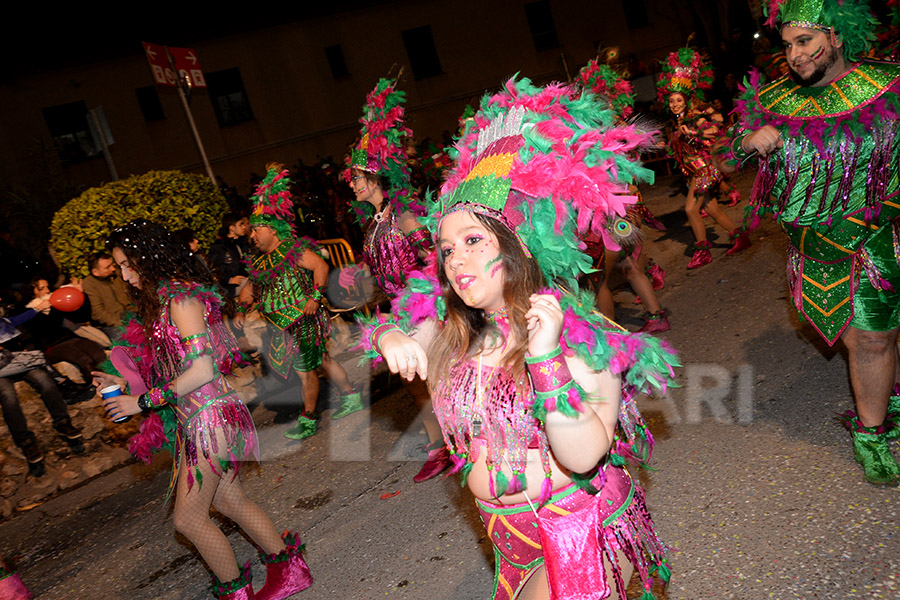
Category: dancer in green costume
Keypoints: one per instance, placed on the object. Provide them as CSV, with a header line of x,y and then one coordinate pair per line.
x,y
828,135
285,277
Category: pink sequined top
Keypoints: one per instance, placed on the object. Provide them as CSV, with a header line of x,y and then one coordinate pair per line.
x,y
213,407
488,412
389,253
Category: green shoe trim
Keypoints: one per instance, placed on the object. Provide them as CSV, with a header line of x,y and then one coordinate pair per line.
x,y
871,450
350,403
305,428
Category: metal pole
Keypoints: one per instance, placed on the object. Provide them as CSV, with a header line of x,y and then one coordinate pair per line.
x,y
100,136
190,119
197,140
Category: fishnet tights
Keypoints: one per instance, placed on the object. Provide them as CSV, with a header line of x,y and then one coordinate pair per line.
x,y
192,518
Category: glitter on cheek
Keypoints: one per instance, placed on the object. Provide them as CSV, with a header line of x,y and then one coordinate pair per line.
x,y
491,263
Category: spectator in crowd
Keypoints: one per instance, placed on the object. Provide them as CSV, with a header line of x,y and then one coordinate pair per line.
x,y
31,366
106,292
226,255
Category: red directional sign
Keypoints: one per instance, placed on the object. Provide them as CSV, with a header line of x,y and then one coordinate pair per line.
x,y
166,62
188,66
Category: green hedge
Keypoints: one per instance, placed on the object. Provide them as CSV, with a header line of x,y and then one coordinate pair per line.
x,y
171,198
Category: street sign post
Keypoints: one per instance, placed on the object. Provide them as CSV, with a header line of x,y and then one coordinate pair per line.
x,y
179,68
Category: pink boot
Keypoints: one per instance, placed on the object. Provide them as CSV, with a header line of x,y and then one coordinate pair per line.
x,y
657,276
740,241
236,589
12,588
438,461
702,255
286,572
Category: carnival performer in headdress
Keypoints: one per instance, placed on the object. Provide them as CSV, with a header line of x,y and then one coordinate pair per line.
x,y
286,281
829,140
180,352
396,243
695,130
535,392
615,92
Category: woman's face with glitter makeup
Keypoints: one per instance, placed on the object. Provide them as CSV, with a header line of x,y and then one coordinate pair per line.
x,y
472,261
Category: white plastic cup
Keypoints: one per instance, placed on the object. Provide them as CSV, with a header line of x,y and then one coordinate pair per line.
x,y
111,391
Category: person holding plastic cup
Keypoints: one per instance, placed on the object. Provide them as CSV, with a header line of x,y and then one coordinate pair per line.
x,y
180,351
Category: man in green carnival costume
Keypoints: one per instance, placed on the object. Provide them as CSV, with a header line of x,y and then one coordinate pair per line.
x,y
828,135
285,280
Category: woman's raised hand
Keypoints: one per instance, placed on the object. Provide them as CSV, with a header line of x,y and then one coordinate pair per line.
x,y
545,319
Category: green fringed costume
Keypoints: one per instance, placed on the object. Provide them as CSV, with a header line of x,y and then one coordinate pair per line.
x,y
834,190
283,288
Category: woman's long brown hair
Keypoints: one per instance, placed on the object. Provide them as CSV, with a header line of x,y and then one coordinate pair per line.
x,y
466,329
157,258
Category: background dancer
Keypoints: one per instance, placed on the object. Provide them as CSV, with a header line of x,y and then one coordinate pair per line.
x,y
286,277
695,129
181,354
395,242
615,92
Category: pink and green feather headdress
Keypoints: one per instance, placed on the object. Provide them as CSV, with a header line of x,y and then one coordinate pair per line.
x,y
608,85
849,19
684,72
381,148
272,202
551,167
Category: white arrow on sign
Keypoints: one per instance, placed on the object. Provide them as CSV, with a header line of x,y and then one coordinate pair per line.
x,y
190,56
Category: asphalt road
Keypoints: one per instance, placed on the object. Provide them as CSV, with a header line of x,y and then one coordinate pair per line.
x,y
754,486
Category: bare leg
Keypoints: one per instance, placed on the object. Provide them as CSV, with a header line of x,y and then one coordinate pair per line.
x,y
231,501
337,374
692,208
604,297
310,382
873,362
640,283
716,212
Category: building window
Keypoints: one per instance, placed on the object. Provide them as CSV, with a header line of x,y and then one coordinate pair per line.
x,y
635,13
229,99
69,129
423,56
336,62
540,22
149,102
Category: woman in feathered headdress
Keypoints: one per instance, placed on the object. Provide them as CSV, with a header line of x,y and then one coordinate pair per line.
x,y
396,243
612,90
534,391
681,84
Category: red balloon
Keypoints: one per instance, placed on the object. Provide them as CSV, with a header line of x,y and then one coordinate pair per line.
x,y
67,299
